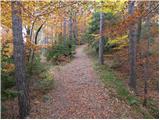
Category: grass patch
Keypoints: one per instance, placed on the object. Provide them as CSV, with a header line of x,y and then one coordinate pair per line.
x,y
110,80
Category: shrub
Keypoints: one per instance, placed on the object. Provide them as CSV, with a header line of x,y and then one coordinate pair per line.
x,y
7,76
61,50
9,94
8,80
36,67
45,83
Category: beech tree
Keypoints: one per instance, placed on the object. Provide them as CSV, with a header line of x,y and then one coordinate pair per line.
x,y
21,83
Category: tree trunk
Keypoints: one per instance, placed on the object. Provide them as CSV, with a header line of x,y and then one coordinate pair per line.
x,y
70,29
101,41
139,22
76,31
38,32
31,33
146,65
132,49
21,83
32,56
139,29
64,31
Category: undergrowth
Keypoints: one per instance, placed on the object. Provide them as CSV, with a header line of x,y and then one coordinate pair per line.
x,y
45,82
61,50
41,77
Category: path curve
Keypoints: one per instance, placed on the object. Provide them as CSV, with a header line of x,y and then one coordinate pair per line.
x,y
79,93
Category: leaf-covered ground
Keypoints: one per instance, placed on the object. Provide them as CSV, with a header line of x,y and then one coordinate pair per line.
x,y
118,61
79,93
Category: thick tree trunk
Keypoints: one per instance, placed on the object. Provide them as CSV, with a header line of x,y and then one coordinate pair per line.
x,y
21,83
101,41
132,49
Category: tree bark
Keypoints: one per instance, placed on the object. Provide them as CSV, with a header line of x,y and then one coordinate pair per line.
x,y
139,22
70,29
38,32
146,65
101,41
64,31
132,49
21,83
76,31
31,33
32,56
139,29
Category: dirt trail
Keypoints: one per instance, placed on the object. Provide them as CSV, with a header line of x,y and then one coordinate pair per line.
x,y
79,93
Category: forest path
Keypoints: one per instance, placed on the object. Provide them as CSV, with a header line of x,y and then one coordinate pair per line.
x,y
79,93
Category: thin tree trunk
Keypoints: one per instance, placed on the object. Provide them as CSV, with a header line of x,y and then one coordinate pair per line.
x,y
52,37
38,32
139,29
56,38
35,40
64,31
146,66
139,22
76,31
101,41
31,33
32,57
21,83
70,29
145,82
28,36
132,49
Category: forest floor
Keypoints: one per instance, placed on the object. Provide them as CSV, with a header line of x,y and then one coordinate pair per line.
x,y
79,93
118,61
